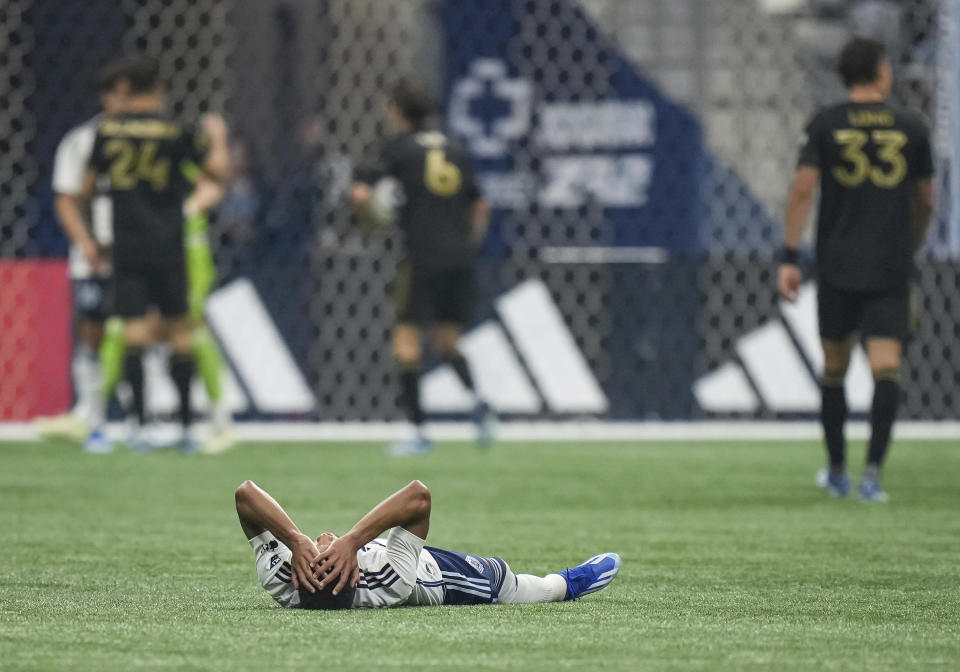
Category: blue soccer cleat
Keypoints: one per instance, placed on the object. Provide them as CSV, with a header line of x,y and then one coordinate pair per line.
x,y
98,444
871,490
410,447
591,576
836,486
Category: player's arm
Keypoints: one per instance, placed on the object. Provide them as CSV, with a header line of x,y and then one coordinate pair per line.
x,y
68,209
259,512
362,196
408,508
922,212
73,183
216,164
798,207
805,182
205,197
479,220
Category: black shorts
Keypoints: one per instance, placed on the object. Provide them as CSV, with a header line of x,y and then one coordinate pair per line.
x,y
426,296
90,299
884,314
163,287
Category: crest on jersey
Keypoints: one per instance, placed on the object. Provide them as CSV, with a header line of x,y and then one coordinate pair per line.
x,y
274,560
475,563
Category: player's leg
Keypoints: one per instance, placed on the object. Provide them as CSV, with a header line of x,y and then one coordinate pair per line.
x,y
413,304
138,334
407,352
886,326
570,584
168,291
454,309
90,295
837,313
201,274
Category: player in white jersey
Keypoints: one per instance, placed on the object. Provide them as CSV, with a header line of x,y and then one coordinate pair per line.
x,y
88,266
361,570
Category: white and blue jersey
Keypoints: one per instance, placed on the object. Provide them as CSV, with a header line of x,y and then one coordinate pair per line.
x,y
468,578
395,571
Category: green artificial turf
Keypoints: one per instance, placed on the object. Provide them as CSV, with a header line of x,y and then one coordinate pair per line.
x,y
732,560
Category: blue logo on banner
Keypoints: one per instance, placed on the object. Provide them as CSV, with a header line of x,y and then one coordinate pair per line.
x,y
577,133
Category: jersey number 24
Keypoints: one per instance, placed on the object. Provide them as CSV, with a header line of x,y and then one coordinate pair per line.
x,y
136,161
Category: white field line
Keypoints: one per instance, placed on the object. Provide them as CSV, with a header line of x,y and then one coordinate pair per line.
x,y
281,432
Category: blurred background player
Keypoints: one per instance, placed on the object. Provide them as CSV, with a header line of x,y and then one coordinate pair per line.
x,y
874,167
201,275
143,155
443,218
88,226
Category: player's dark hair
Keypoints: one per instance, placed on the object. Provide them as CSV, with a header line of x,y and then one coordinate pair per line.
x,y
109,75
860,61
413,100
142,72
326,600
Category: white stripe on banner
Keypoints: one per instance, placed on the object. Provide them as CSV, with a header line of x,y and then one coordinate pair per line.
x,y
550,351
161,394
775,367
497,372
726,390
257,350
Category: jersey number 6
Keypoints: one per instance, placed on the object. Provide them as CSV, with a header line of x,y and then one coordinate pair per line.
x,y
441,176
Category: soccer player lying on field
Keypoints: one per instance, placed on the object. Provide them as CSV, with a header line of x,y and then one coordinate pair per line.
x,y
360,570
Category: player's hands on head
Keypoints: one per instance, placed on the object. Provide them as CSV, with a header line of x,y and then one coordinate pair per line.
x,y
305,562
324,540
339,561
789,280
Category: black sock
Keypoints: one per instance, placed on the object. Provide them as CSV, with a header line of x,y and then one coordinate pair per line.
x,y
410,393
886,398
833,414
133,373
460,366
181,370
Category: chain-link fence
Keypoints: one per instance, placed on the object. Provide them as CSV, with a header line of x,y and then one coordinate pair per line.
x,y
638,155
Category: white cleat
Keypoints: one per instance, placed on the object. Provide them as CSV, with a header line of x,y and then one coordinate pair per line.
x,y
66,427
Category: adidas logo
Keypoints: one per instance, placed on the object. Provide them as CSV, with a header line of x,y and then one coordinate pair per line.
x,y
524,363
780,373
267,377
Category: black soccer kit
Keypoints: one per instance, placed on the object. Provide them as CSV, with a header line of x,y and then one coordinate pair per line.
x,y
870,157
145,158
436,282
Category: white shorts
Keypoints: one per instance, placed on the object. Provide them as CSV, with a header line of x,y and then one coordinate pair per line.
x,y
274,569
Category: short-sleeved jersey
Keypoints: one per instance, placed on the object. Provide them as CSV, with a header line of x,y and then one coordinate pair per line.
x,y
439,191
870,157
69,169
146,159
397,571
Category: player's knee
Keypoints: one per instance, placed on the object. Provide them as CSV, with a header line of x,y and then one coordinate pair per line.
x,y
891,373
